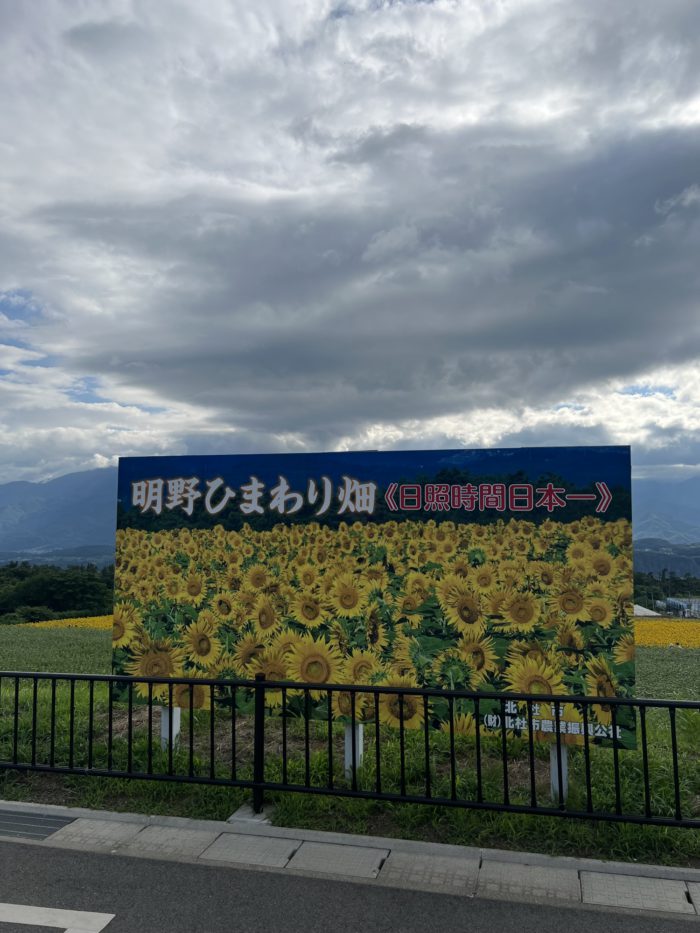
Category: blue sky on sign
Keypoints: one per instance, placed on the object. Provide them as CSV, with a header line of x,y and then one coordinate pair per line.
x,y
300,226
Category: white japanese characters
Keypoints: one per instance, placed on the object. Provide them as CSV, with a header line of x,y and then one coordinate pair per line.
x,y
252,498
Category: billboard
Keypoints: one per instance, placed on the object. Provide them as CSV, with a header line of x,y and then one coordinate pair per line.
x,y
506,570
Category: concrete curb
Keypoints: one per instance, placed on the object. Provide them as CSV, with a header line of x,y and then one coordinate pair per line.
x,y
407,846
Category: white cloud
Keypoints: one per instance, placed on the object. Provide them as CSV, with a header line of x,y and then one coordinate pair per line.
x,y
321,224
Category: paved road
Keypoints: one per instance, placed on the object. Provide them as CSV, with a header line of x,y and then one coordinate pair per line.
x,y
149,896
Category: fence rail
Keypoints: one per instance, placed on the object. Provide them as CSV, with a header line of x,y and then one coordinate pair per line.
x,y
124,727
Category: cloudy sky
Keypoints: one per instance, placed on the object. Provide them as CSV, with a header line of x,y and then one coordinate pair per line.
x,y
336,224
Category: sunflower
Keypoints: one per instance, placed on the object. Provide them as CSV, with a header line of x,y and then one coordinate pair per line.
x,y
480,654
624,650
273,663
285,640
484,578
244,653
342,704
125,621
463,609
193,589
601,682
257,577
192,695
397,709
452,671
348,596
569,640
570,601
201,645
532,676
308,610
359,667
522,612
307,575
224,606
155,659
266,619
601,612
462,724
375,632
314,662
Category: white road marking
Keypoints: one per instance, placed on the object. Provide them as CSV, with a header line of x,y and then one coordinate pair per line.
x,y
71,921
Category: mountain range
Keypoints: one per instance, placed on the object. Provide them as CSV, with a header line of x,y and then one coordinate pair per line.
x,y
71,520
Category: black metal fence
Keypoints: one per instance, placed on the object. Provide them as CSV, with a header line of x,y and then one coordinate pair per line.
x,y
279,736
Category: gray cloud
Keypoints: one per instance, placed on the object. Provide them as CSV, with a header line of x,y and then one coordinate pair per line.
x,y
363,222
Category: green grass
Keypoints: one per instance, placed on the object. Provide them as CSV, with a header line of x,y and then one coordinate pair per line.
x,y
670,673
77,651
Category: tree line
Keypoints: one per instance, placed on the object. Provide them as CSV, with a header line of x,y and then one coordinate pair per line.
x,y
30,593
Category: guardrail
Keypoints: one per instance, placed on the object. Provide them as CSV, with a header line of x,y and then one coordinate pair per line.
x,y
125,727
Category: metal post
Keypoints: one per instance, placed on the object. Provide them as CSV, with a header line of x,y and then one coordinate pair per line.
x,y
259,744
169,716
358,733
554,773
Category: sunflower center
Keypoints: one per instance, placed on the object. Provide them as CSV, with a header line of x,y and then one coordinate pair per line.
x,y
315,669
349,597
478,658
310,610
257,578
598,613
223,606
265,618
194,587
344,704
118,629
601,567
522,611
156,666
202,645
538,684
402,711
571,601
361,669
467,611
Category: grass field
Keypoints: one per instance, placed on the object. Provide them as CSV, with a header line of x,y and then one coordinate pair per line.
x,y
661,672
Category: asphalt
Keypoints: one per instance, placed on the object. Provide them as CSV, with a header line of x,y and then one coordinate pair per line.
x,y
164,873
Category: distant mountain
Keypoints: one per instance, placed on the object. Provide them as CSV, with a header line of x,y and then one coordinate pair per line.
x,y
73,511
653,555
71,520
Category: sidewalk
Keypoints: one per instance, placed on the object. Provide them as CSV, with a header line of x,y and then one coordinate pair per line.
x,y
247,841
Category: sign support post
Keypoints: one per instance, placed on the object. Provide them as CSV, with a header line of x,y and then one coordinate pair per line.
x,y
169,717
555,756
354,750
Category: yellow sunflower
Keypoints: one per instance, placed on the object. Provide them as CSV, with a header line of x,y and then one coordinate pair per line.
x,y
395,710
480,654
245,651
196,695
125,622
273,663
522,612
624,650
348,596
266,619
462,724
359,667
570,601
224,606
201,645
532,676
193,589
342,705
308,610
601,682
155,659
463,609
314,662
601,612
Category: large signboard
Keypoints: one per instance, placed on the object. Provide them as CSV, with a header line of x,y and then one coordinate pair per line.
x,y
492,570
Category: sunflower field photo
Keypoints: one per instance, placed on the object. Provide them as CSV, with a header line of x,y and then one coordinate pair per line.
x,y
447,601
